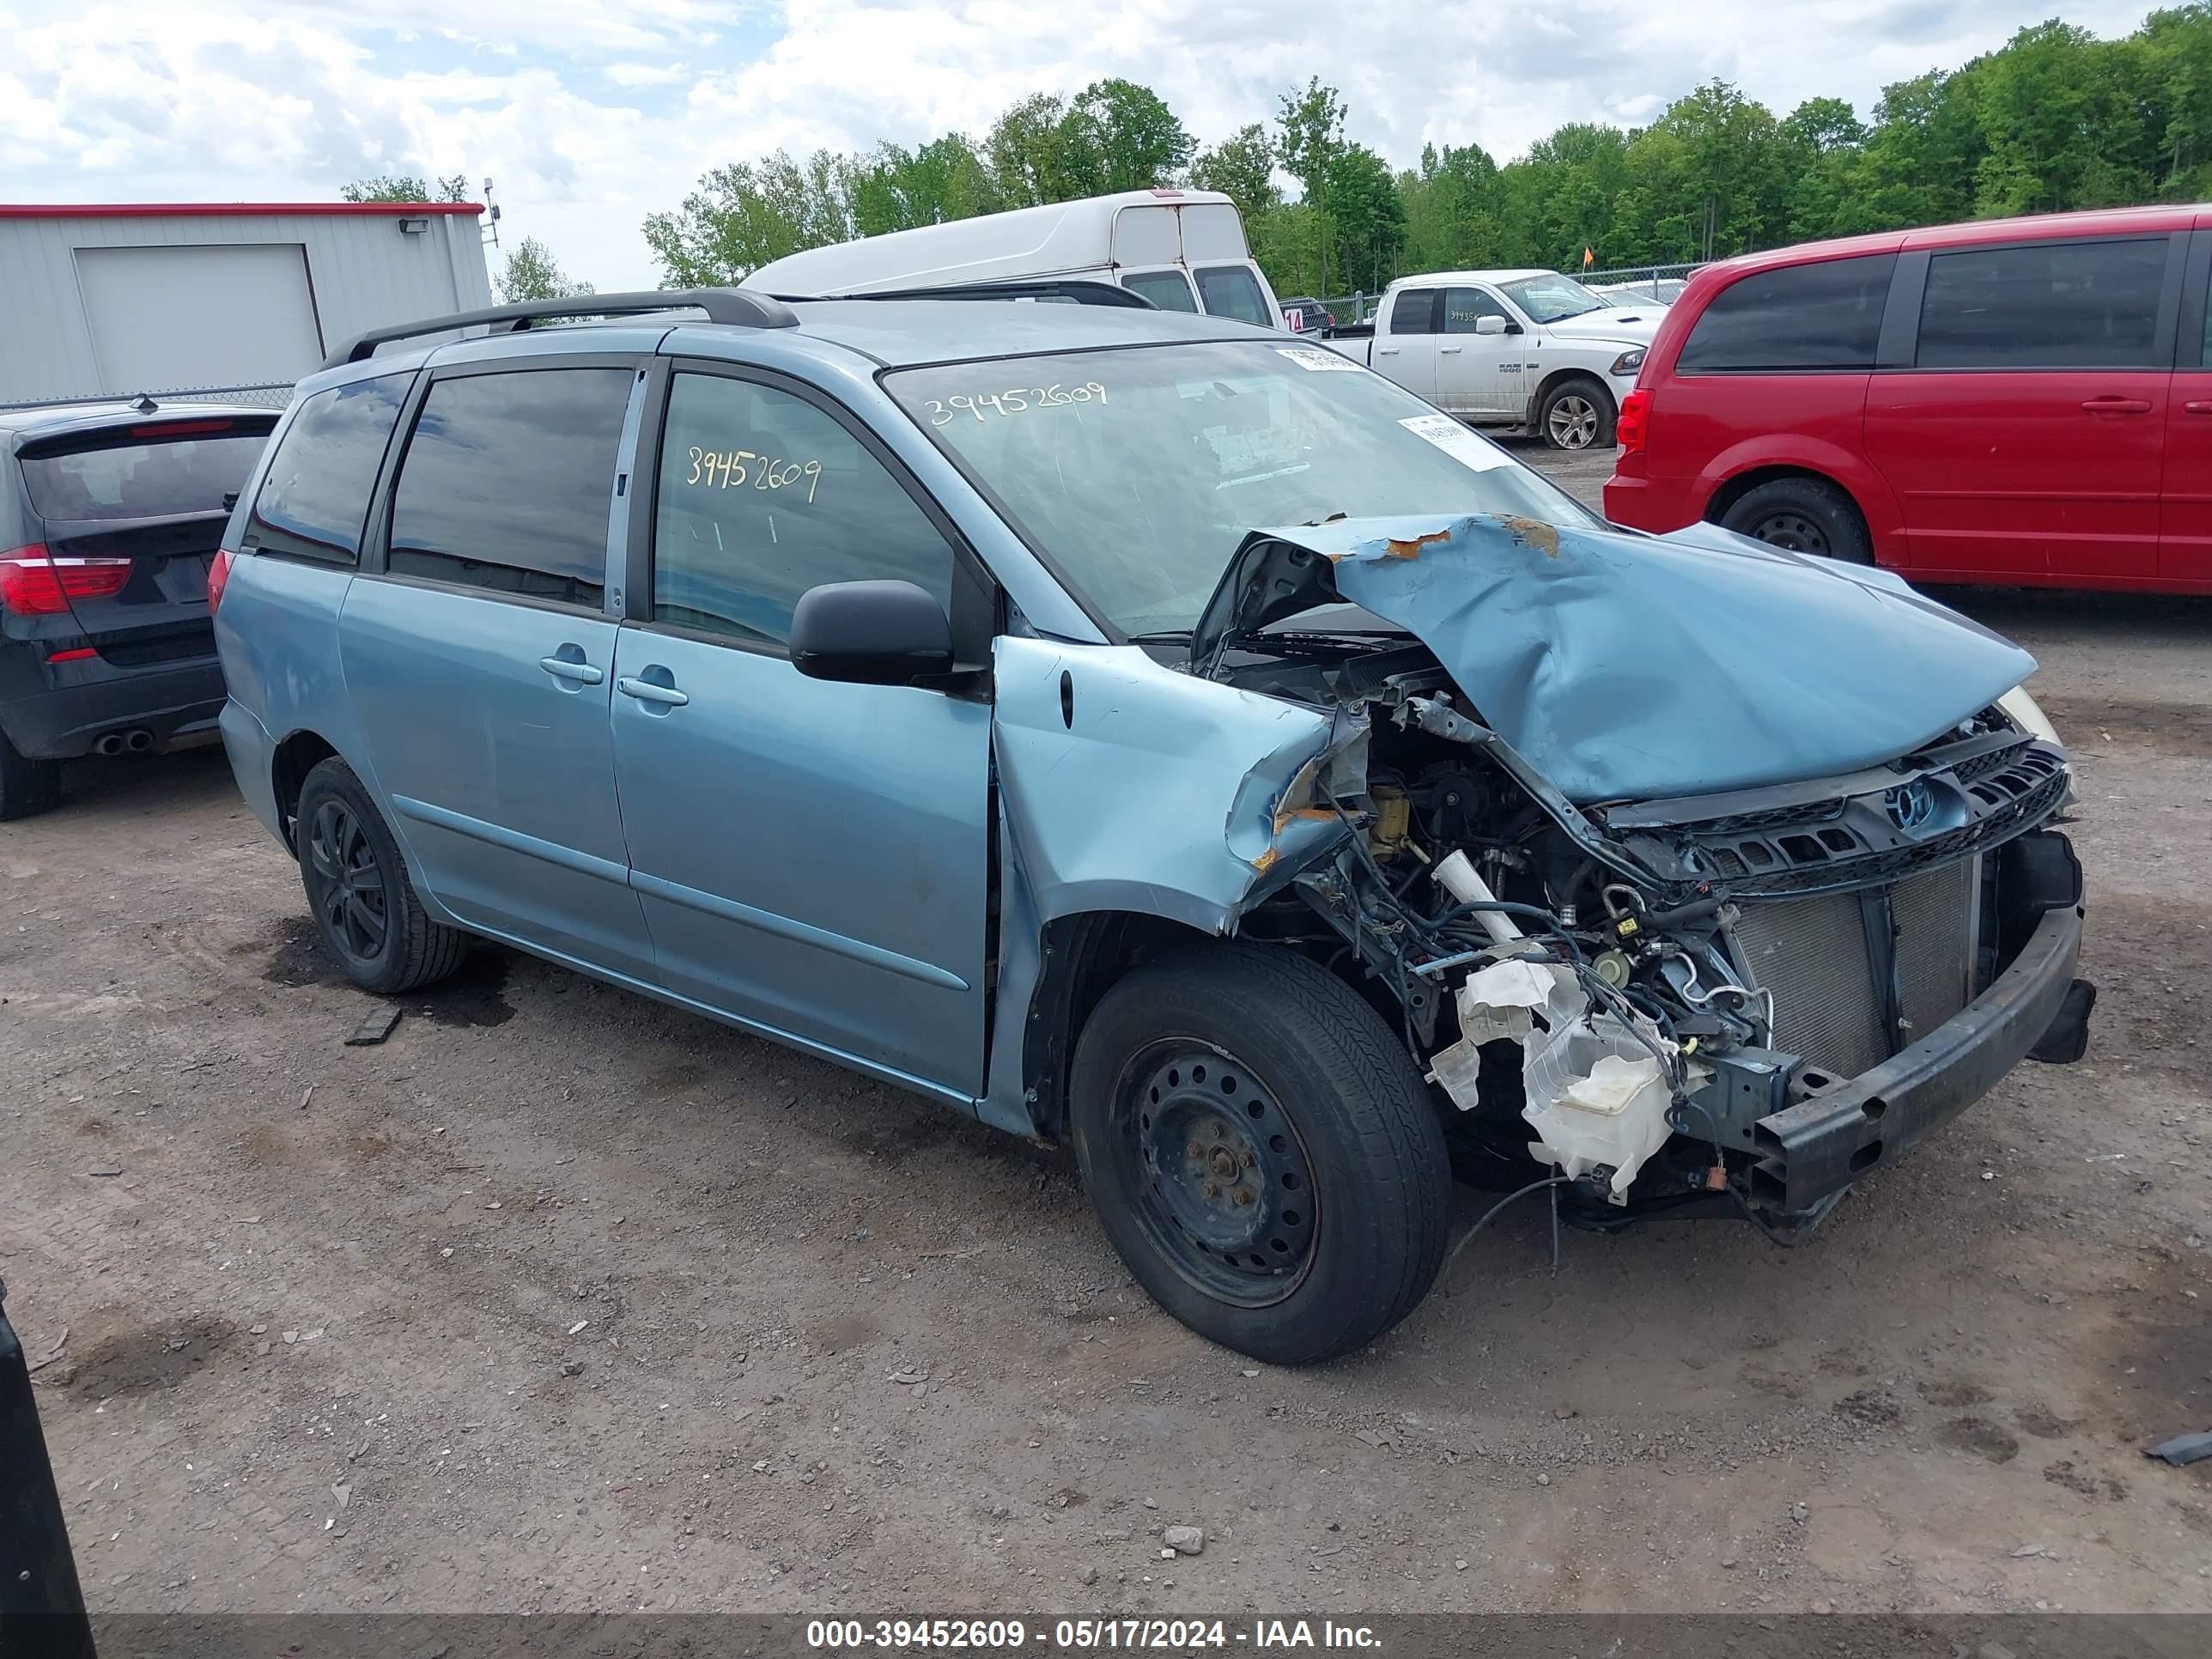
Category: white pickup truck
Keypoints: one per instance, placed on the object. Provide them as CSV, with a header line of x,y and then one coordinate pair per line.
x,y
1527,351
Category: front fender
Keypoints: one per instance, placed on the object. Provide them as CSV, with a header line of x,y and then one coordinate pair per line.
x,y
1126,786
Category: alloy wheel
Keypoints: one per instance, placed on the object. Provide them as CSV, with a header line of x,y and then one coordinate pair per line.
x,y
1572,424
350,897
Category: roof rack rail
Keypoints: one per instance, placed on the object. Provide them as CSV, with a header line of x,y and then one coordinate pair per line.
x,y
1074,291
738,307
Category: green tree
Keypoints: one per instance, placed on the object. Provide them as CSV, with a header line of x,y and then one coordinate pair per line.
x,y
745,215
1451,204
1367,217
2063,128
1242,166
406,187
532,273
1823,141
1123,136
1312,141
1038,152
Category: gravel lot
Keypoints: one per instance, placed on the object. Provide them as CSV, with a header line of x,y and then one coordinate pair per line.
x,y
562,1300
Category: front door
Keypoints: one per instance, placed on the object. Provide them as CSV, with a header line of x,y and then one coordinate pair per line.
x,y
813,858
480,659
2185,552
1472,374
2028,437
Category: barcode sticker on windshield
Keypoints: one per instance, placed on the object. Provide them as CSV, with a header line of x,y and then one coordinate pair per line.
x,y
1455,441
1317,360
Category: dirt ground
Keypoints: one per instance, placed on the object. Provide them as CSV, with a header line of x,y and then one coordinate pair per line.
x,y
560,1300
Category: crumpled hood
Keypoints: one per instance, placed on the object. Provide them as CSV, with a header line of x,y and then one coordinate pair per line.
x,y
1636,323
1628,666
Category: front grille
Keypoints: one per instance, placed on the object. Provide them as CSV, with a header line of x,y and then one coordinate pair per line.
x,y
1812,954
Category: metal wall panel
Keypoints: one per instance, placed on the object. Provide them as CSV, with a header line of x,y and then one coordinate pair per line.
x,y
364,272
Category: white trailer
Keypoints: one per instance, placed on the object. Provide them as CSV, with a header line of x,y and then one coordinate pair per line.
x,y
110,301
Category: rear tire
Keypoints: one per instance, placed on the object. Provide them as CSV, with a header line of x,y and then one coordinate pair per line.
x,y
27,787
360,893
1261,1151
1805,515
1577,415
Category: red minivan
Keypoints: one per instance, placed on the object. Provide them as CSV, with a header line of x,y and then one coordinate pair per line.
x,y
2014,401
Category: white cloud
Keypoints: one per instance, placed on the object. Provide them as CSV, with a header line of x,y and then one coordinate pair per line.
x,y
591,114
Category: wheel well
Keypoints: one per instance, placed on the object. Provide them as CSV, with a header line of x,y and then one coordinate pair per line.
x,y
1081,956
1744,482
1559,376
297,757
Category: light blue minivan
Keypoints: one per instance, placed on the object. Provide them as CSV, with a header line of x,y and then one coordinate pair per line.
x,y
1143,731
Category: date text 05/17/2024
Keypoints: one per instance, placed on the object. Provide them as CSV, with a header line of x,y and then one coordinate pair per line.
x,y
1169,1635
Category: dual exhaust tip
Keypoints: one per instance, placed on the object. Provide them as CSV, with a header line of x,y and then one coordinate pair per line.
x,y
136,742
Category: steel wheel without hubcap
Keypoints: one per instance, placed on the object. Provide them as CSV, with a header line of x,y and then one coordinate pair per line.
x,y
1793,531
348,890
1572,423
1224,1188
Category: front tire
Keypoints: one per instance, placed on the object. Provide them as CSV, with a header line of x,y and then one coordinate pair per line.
x,y
1805,515
360,893
27,787
1261,1151
1575,415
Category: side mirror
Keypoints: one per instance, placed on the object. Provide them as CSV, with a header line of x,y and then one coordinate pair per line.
x,y
872,633
1490,325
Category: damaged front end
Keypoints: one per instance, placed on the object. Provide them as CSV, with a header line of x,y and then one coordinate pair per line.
x,y
1706,876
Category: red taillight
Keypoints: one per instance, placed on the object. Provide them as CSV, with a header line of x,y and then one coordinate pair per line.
x,y
218,576
1635,423
34,585
82,654
181,428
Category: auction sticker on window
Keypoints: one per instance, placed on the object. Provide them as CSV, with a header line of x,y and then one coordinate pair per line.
x,y
1455,441
1317,360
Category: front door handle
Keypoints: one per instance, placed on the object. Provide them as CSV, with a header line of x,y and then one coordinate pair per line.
x,y
1386,351
581,673
1450,350
647,691
2116,405
2197,406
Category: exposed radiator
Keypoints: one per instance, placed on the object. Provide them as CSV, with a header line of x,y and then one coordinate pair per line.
x,y
1812,954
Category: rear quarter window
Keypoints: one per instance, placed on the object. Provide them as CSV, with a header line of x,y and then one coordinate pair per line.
x,y
1826,315
126,476
314,496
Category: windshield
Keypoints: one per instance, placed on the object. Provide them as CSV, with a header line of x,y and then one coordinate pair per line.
x,y
1551,297
1138,472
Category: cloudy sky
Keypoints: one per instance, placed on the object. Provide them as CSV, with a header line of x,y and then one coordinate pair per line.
x,y
588,114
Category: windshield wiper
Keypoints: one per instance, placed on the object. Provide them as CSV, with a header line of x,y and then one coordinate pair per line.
x,y
1165,636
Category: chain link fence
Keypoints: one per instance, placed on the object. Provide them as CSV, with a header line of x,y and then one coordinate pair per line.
x,y
273,394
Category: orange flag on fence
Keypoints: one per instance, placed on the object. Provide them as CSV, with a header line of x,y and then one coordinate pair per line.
x,y
1589,259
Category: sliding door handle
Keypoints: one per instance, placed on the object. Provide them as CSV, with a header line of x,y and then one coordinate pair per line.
x,y
647,691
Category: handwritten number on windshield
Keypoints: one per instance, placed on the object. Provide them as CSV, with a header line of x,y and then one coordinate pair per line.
x,y
1013,401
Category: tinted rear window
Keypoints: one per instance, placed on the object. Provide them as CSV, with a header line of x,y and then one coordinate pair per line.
x,y
2050,304
1413,311
1818,316
1166,289
315,494
149,480
507,482
1228,291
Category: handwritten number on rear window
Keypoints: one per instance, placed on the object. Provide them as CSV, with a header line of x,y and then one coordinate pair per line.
x,y
1011,401
732,469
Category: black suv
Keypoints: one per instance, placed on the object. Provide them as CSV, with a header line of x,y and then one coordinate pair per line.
x,y
109,514
1314,317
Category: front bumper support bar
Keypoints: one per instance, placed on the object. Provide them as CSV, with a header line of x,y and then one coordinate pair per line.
x,y
1837,1131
